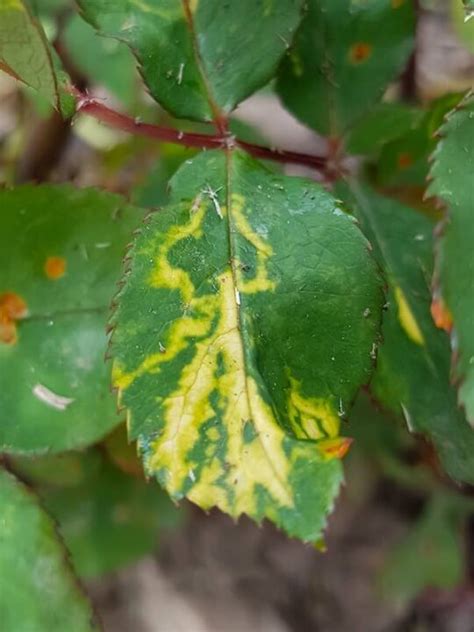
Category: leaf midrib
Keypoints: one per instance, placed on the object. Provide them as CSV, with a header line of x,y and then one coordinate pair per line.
x,y
232,251
215,109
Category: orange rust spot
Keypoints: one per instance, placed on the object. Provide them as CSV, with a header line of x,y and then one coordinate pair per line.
x,y
55,267
404,160
334,448
12,305
441,315
12,308
396,4
359,52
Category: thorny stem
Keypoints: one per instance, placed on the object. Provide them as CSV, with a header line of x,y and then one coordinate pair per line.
x,y
96,109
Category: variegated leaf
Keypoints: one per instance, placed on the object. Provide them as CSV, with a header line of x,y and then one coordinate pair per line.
x,y
242,334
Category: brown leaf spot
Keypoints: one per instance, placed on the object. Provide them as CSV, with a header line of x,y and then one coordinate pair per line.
x,y
55,267
360,52
441,315
396,4
12,308
404,160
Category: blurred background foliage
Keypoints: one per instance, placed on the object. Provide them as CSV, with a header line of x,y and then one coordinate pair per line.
x,y
106,512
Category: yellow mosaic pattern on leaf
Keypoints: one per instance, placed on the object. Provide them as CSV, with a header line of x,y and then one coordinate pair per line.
x,y
261,461
304,413
261,282
407,318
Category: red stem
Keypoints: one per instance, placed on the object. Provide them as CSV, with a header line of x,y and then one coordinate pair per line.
x,y
92,107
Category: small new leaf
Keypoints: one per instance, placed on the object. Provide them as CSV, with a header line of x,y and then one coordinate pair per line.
x,y
243,332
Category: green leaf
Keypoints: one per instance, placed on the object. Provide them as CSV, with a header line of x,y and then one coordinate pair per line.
x,y
240,340
404,160
26,55
104,61
200,59
382,440
452,174
345,54
430,555
412,375
37,589
108,519
68,469
152,191
62,250
384,123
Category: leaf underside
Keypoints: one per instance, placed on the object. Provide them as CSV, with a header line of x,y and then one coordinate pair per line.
x,y
241,337
452,173
62,250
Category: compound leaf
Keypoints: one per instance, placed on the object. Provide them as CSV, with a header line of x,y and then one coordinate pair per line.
x,y
452,174
412,375
37,588
62,249
199,59
344,55
242,335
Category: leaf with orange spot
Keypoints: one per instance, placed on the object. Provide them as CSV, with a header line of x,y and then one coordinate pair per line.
x,y
412,376
452,176
55,267
403,161
12,308
57,279
344,56
443,319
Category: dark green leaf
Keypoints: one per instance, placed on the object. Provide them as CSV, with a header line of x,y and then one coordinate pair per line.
x,y
412,375
200,59
345,54
384,123
452,173
242,334
382,439
404,160
37,589
61,254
